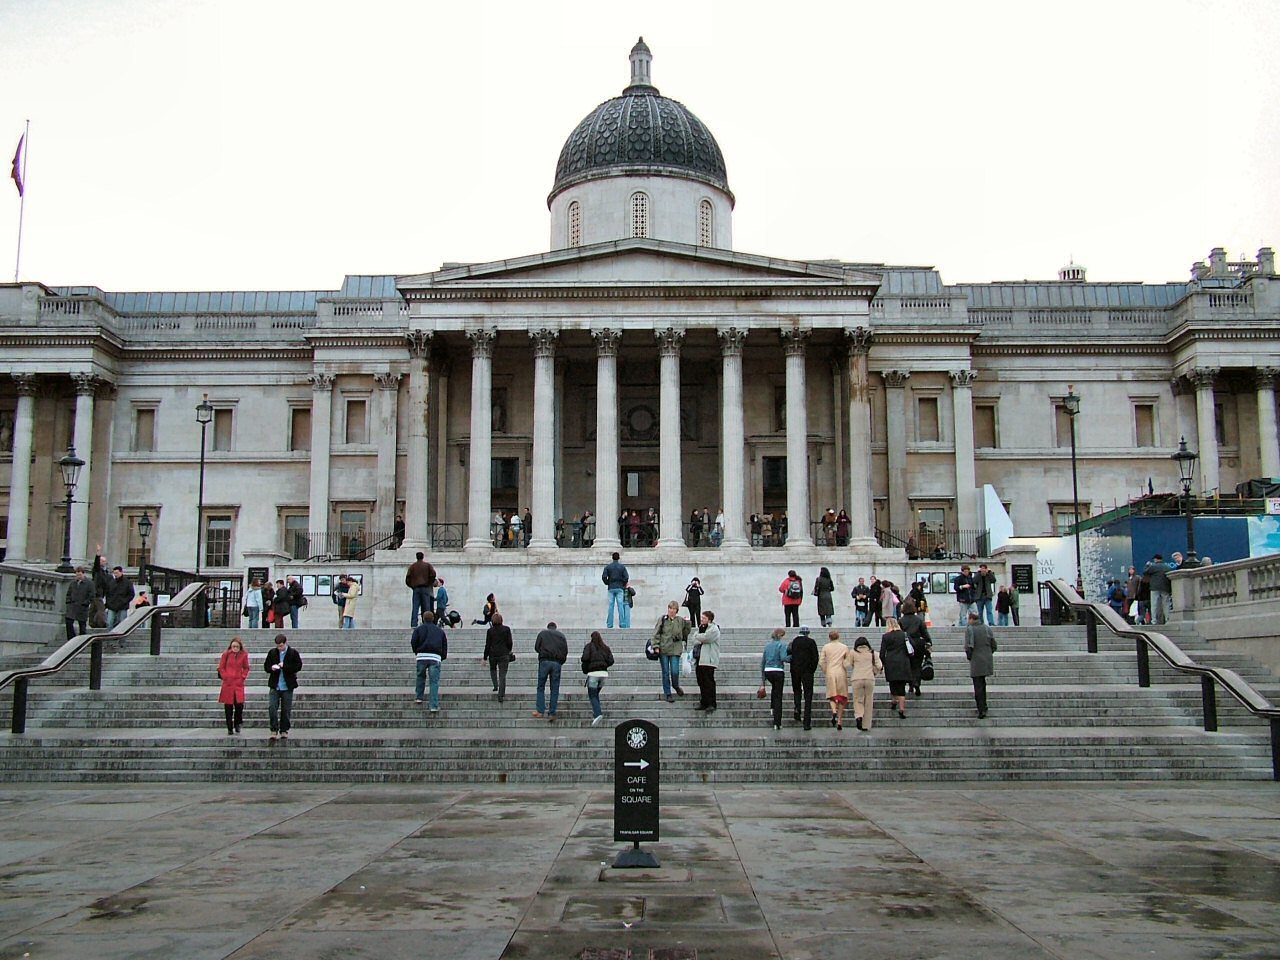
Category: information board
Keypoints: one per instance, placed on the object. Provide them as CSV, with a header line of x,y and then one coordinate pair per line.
x,y
635,781
1023,576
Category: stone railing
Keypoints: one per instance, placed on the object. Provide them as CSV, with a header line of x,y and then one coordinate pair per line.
x,y
31,601
1235,605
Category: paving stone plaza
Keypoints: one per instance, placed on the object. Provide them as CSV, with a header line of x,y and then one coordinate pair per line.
x,y
884,871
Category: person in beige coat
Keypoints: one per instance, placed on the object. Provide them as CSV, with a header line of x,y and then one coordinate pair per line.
x,y
866,667
834,662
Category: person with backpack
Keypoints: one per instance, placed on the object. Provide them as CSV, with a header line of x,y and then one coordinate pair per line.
x,y
1116,597
442,604
792,590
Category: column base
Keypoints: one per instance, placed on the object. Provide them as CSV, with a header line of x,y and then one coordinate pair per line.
x,y
546,543
478,545
670,542
794,543
606,543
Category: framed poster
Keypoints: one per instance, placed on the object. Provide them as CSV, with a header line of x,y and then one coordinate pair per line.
x,y
939,583
324,585
309,584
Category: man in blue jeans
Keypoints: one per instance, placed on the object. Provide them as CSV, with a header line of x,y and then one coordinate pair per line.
x,y
985,585
552,649
430,647
421,579
282,666
615,577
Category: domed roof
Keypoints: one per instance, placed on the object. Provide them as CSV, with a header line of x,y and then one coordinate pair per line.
x,y
640,132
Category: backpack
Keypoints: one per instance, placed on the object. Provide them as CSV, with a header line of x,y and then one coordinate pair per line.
x,y
795,589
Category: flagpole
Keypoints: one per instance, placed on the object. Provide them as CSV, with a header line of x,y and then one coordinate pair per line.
x,y
22,197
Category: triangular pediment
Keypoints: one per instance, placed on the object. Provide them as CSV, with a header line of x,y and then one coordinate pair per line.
x,y
630,263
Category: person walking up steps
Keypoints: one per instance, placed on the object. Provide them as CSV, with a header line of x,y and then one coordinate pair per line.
x,y
552,648
669,636
430,648
804,661
792,590
597,658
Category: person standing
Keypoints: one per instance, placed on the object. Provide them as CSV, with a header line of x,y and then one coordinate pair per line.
x,y
861,603
397,533
597,658
119,594
1003,605
897,663
76,604
1158,572
913,626
835,661
552,649
866,667
823,588
420,578
498,647
1013,603
792,590
706,657
773,662
268,605
297,599
804,661
280,604
669,636
615,579
1131,593
430,648
253,604
442,604
233,671
282,666
966,594
979,645
985,584
873,600
693,600
349,606
528,525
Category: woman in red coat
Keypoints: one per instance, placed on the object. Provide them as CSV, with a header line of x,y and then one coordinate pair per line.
x,y
233,669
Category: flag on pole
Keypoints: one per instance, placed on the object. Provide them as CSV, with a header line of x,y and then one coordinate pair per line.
x,y
16,173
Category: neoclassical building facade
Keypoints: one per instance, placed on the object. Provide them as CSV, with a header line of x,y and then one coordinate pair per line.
x,y
640,364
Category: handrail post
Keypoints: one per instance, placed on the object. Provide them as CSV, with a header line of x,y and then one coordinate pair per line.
x,y
1209,697
18,721
1144,664
1275,748
155,634
95,665
1091,631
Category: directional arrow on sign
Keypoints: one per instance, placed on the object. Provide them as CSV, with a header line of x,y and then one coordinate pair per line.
x,y
642,764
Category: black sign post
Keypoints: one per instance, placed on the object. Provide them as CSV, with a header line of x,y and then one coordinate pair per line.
x,y
1022,575
635,790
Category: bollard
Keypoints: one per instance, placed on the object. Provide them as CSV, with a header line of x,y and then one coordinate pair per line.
x,y
1144,664
95,665
1275,748
1209,697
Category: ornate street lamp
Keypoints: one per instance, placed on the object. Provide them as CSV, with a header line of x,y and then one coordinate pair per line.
x,y
1186,461
70,465
1071,404
144,531
204,416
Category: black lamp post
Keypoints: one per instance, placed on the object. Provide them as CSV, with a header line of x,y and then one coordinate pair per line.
x,y
204,416
70,465
144,531
1186,461
1071,403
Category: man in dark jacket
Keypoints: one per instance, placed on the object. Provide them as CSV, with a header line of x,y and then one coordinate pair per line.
x,y
1158,572
984,583
118,596
421,579
79,598
430,647
616,578
282,666
552,649
804,661
966,594
297,599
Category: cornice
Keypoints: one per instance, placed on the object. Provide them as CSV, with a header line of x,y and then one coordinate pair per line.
x,y
245,352
1076,348
660,291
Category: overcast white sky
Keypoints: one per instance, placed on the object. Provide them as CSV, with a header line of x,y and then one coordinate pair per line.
x,y
225,144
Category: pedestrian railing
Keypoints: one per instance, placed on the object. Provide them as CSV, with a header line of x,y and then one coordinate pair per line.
x,y
1146,640
152,615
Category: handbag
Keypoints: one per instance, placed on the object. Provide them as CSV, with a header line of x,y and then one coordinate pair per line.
x,y
244,611
926,668
760,693
697,653
650,651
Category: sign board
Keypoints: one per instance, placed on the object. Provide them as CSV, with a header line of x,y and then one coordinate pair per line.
x,y
259,573
1023,577
635,781
1273,506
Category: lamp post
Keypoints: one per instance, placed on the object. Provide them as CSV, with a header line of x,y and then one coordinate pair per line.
x,y
1071,403
70,465
1186,461
144,531
204,416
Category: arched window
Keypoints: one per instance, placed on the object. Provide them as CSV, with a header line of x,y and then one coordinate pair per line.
x,y
575,224
639,215
705,232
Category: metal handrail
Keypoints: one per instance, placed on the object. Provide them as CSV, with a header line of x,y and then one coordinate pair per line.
x,y
69,650
1172,654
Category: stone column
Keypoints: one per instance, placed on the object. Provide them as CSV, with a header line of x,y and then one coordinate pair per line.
x,y
1268,446
86,388
20,478
544,426
389,396
1206,427
607,504
794,341
966,480
862,515
417,508
733,438
321,435
438,426
480,466
895,404
670,502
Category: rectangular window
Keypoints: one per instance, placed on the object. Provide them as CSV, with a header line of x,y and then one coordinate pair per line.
x,y
774,470
1061,426
927,420
300,428
357,422
505,477
222,429
297,541
144,429
138,551
984,426
353,522
217,539
1063,516
1144,424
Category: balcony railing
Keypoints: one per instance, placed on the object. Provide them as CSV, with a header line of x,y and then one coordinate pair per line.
x,y
938,543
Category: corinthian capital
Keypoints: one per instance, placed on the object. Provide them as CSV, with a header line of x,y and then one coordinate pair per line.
x,y
544,342
732,341
858,339
418,343
895,379
669,341
482,341
794,341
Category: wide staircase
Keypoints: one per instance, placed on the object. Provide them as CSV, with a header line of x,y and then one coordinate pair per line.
x,y
1057,712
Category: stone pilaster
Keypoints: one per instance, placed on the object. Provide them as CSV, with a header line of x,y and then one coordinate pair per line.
x,y
86,390
321,434
861,503
1268,444
732,437
20,478
670,504
794,342
966,479
1202,378
895,405
544,425
417,511
608,506
389,397
480,468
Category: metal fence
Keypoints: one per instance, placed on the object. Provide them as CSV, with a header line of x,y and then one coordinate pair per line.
x,y
938,543
220,606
